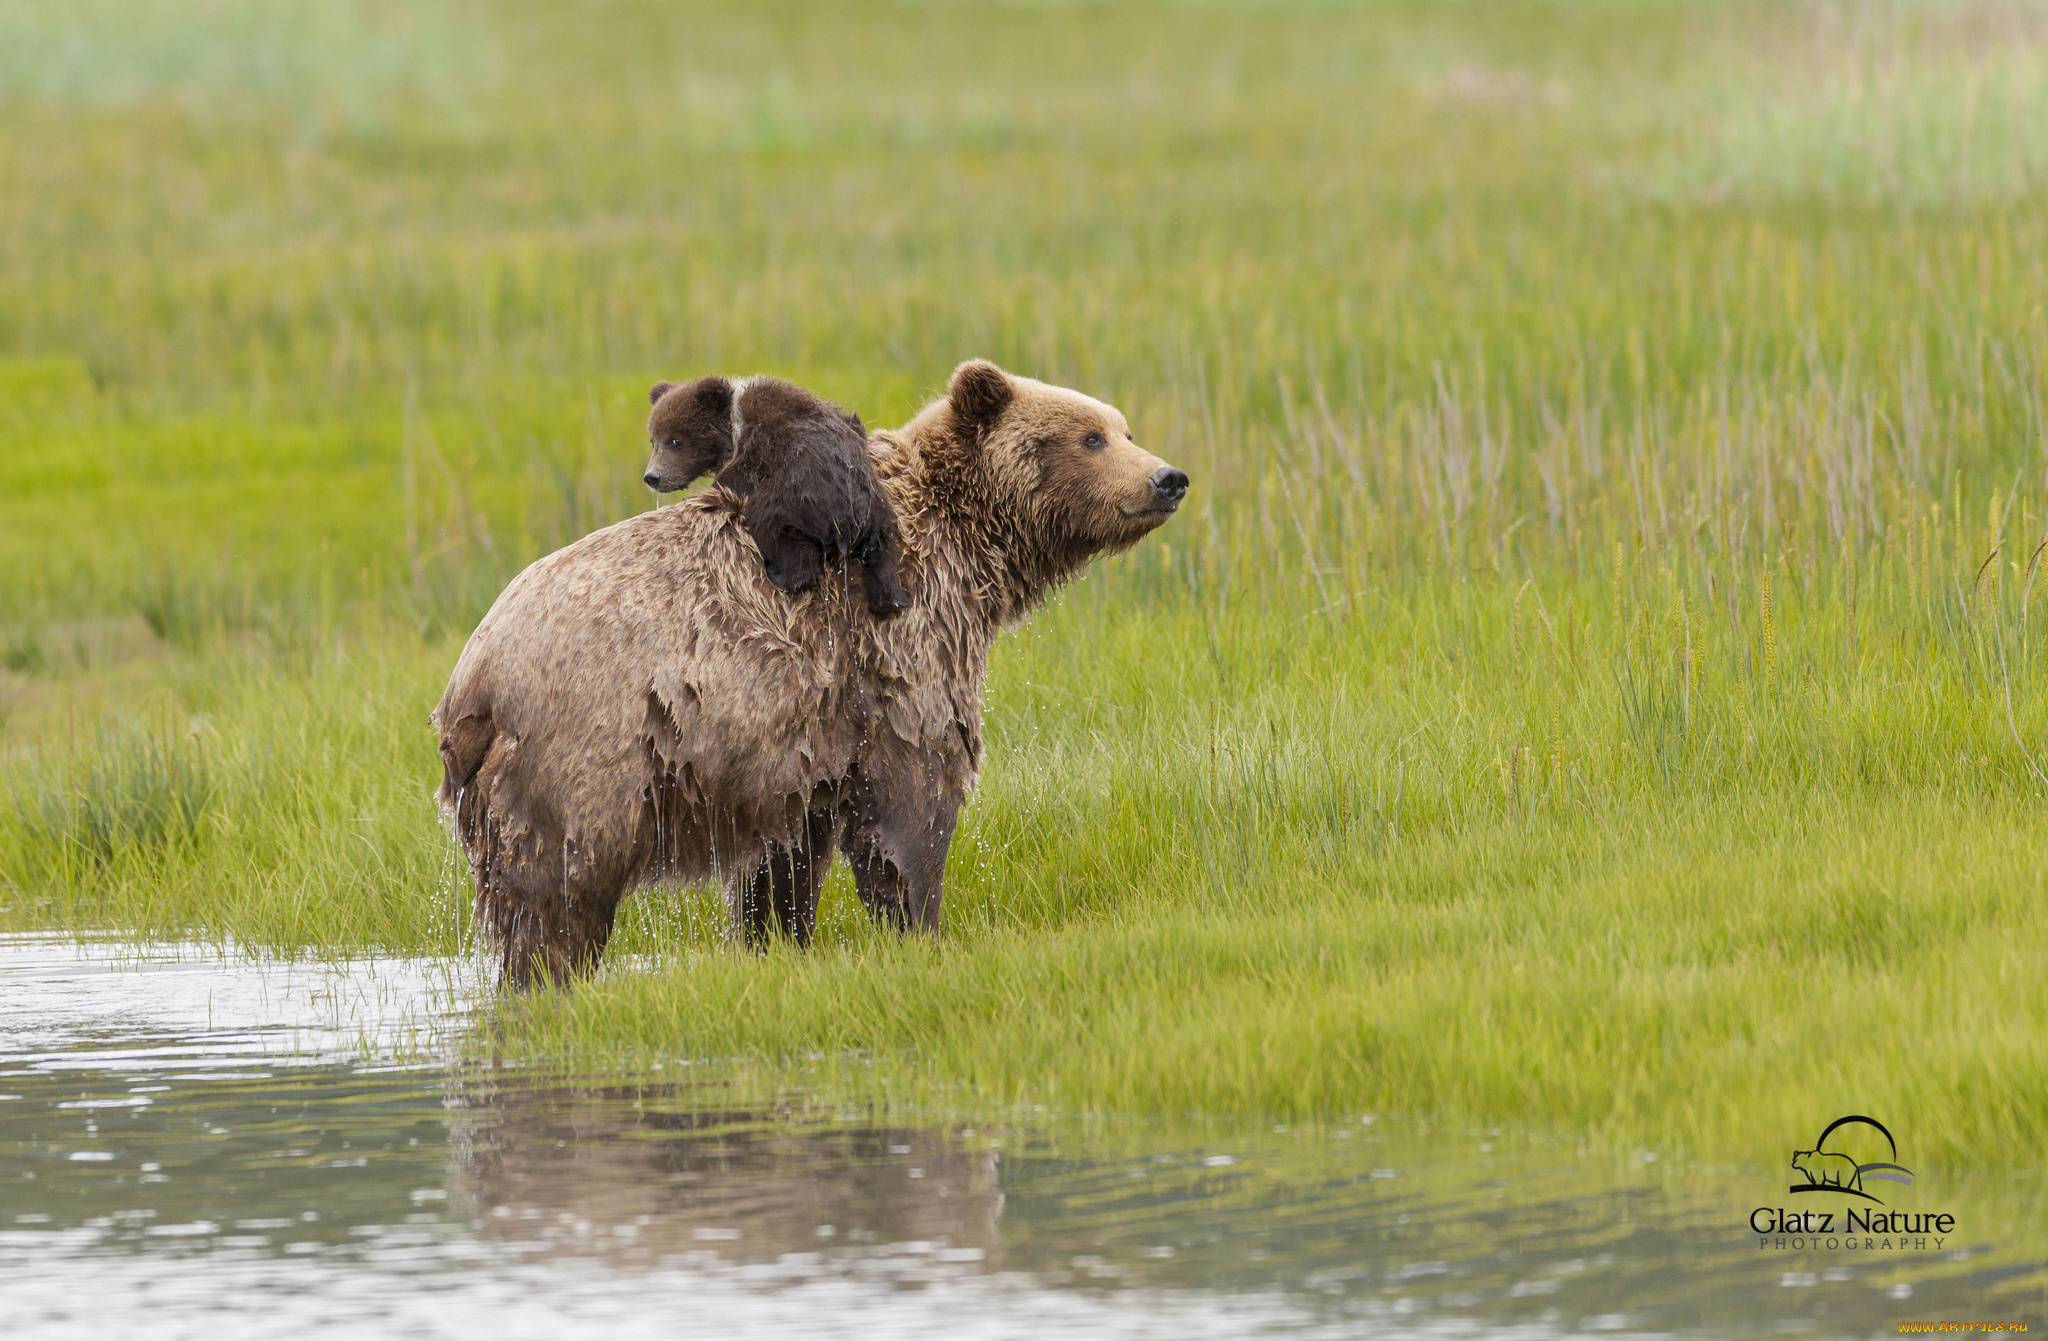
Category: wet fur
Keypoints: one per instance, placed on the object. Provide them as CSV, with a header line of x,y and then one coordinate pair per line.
x,y
799,464
645,705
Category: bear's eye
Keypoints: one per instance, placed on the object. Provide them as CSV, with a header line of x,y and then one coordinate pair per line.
x,y
676,441
1094,442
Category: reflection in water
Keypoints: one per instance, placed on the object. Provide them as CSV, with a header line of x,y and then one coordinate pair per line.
x,y
191,1146
638,1172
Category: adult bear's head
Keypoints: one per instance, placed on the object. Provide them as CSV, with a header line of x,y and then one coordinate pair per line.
x,y
1060,469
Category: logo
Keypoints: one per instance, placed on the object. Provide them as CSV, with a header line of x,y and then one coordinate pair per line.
x,y
1832,1171
1845,1171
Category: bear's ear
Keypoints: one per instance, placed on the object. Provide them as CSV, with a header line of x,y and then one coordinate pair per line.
x,y
714,393
658,390
978,392
853,422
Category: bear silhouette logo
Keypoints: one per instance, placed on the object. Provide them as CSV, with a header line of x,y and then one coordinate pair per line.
x,y
1836,1171
1824,1168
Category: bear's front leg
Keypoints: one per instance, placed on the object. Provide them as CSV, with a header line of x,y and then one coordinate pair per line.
x,y
899,825
792,560
785,885
796,899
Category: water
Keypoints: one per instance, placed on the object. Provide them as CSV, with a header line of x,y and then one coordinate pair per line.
x,y
198,1147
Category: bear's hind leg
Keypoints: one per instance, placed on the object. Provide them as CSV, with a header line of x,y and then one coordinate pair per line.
x,y
559,944
548,921
551,940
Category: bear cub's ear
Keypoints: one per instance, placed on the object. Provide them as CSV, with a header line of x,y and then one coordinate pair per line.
x,y
658,390
979,391
714,393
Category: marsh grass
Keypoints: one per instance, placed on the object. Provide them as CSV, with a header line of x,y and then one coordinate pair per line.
x,y
1597,682
121,793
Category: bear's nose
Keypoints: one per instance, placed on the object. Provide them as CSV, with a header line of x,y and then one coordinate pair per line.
x,y
1170,483
653,480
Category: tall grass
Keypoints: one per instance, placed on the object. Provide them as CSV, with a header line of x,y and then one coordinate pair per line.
x,y
138,794
1597,681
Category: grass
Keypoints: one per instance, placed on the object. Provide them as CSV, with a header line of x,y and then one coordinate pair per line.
x,y
1597,684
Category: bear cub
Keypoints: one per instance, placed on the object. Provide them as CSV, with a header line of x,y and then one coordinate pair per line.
x,y
801,465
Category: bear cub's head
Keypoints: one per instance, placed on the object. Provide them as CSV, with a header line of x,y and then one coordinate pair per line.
x,y
1062,465
690,429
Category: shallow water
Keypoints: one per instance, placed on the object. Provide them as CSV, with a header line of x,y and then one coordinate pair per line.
x,y
192,1146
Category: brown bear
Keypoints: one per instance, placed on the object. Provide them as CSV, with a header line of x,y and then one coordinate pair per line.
x,y
799,465
644,705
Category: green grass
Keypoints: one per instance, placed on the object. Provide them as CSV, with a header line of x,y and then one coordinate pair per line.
x,y
1598,684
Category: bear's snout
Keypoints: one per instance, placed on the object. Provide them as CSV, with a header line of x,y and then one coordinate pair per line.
x,y
652,480
1170,485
